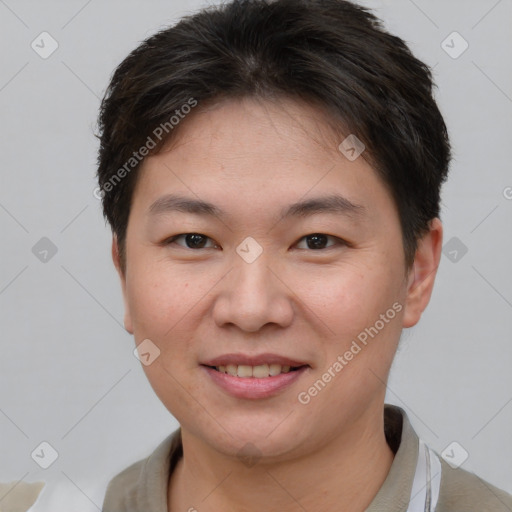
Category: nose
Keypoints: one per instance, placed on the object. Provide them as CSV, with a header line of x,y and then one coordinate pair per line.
x,y
253,295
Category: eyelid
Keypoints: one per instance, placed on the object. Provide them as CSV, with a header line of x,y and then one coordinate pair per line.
x,y
170,240
339,241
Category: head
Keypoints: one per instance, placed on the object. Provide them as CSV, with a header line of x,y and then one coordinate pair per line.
x,y
271,172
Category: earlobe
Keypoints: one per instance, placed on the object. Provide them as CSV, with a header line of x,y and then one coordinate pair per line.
x,y
423,273
117,263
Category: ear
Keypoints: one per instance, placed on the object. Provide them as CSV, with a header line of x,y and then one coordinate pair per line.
x,y
423,273
117,263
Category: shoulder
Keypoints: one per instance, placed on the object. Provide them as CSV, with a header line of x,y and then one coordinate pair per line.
x,y
143,485
462,491
123,490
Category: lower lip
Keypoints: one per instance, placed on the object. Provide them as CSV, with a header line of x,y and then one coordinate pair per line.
x,y
251,387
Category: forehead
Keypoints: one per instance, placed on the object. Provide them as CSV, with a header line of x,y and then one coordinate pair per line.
x,y
258,154
287,127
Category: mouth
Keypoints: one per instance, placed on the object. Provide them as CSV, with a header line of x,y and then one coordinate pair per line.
x,y
261,371
254,376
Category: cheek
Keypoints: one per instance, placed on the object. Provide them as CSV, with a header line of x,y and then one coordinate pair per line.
x,y
350,298
158,299
164,310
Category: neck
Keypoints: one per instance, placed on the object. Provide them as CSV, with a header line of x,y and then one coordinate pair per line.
x,y
344,473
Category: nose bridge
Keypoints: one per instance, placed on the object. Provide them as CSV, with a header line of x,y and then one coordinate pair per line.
x,y
253,277
252,272
252,296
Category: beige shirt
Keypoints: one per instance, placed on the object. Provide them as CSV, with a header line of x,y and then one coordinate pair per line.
x,y
142,487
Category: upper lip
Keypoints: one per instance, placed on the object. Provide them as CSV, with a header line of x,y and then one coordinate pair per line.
x,y
253,360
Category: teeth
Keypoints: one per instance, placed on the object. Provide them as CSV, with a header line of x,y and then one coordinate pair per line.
x,y
275,369
244,371
231,369
259,372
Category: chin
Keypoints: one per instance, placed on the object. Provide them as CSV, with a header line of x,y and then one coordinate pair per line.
x,y
263,442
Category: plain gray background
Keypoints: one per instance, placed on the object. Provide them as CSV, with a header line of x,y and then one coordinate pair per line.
x,y
67,369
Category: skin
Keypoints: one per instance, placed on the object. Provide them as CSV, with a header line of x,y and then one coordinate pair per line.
x,y
253,158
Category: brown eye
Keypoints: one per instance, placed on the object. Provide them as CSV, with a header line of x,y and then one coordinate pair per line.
x,y
317,241
192,240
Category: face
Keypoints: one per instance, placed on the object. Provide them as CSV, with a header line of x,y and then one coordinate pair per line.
x,y
297,260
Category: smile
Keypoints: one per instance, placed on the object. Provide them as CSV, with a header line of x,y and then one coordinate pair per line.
x,y
260,371
254,382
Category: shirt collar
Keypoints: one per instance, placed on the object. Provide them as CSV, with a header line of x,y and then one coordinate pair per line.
x,y
394,495
395,492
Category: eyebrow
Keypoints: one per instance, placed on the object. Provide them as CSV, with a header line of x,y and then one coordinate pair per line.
x,y
333,204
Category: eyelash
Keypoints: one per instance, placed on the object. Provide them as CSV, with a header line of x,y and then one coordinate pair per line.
x,y
339,241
